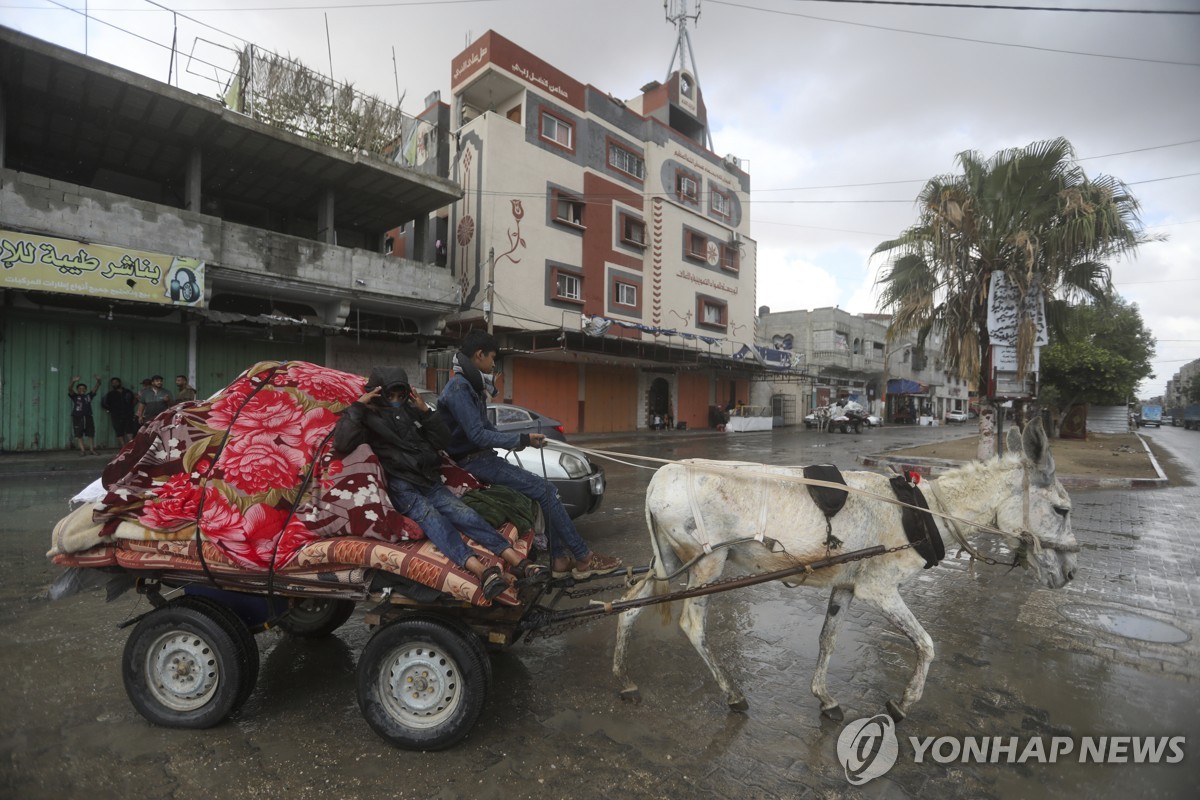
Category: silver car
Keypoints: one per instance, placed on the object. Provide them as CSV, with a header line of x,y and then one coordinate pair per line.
x,y
579,481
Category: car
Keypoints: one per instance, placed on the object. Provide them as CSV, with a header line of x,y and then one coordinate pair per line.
x,y
957,416
518,419
580,482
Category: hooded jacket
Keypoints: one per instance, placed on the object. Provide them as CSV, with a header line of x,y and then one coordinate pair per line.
x,y
405,440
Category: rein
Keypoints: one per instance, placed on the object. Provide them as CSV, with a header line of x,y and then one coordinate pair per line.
x,y
1025,536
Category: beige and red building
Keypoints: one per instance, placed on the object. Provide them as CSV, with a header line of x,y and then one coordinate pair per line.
x,y
617,245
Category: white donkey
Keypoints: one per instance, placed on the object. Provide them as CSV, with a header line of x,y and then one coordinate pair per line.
x,y
696,503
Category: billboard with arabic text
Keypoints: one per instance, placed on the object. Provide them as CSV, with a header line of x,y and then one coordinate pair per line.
x,y
46,264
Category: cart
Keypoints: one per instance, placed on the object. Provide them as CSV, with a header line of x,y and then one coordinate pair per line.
x,y
422,678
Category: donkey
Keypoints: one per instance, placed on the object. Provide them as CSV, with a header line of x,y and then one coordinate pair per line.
x,y
1016,496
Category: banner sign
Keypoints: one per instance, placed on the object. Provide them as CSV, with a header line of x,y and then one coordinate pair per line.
x,y
1005,358
1006,309
47,264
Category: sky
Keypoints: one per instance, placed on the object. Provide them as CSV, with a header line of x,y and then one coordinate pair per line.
x,y
840,110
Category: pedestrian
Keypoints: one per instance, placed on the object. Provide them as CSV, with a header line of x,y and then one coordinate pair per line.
x,y
83,425
121,405
152,400
406,435
184,391
473,437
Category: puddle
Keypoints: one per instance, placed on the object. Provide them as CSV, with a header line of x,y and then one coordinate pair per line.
x,y
1125,624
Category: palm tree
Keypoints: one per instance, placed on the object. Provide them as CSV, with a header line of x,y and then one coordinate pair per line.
x,y
1030,212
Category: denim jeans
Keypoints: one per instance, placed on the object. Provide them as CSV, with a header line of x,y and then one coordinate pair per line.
x,y
441,516
491,468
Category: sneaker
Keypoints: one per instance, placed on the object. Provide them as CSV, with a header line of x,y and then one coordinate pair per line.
x,y
596,564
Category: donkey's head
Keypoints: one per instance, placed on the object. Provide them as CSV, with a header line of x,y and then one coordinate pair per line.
x,y
1038,512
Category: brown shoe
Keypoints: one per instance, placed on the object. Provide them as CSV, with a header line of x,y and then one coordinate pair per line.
x,y
596,564
561,566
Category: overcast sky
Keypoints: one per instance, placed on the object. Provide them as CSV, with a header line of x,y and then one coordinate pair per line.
x,y
841,111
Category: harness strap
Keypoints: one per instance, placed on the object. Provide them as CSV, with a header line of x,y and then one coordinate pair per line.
x,y
701,534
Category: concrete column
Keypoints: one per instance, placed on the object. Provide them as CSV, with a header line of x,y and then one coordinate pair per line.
x,y
191,181
420,237
325,230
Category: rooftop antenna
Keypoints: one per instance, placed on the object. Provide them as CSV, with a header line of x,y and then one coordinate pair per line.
x,y
678,15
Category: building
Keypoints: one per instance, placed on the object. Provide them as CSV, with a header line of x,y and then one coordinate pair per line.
x,y
1177,388
605,244
145,229
834,355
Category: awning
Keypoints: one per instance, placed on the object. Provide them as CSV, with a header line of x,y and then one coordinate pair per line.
x,y
905,386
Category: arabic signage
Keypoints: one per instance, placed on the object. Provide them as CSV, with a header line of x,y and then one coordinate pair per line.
x,y
47,264
1006,309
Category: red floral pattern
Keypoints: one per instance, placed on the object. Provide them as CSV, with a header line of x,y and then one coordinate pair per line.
x,y
239,462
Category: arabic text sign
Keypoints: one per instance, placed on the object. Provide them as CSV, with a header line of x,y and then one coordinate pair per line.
x,y
1005,311
1005,358
47,264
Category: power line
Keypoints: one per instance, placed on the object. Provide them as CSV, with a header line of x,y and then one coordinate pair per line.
x,y
995,7
956,38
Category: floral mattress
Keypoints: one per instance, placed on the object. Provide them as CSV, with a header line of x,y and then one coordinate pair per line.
x,y
253,470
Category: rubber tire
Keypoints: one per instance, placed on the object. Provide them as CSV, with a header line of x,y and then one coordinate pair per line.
x,y
242,636
460,674
473,638
858,427
199,632
316,618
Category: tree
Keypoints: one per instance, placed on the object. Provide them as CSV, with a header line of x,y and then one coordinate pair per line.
x,y
1030,212
1103,353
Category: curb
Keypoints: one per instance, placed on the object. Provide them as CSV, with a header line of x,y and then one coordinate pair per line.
x,y
932,467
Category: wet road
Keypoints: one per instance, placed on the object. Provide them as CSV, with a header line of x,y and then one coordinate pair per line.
x,y
1116,653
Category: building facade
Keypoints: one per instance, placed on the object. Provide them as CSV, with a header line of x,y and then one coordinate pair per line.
x,y
148,230
834,355
607,247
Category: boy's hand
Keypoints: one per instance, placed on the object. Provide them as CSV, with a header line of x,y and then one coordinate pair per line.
x,y
417,401
537,440
371,395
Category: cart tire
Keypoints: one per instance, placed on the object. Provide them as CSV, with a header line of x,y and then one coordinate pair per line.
x,y
316,618
244,638
421,683
475,640
183,668
858,427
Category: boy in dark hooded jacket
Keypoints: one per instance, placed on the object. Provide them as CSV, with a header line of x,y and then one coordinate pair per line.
x,y
406,435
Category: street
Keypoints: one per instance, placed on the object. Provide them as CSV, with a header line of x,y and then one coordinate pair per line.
x,y
1115,653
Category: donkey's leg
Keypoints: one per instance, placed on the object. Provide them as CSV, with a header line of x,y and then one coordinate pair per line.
x,y
625,620
692,620
894,608
839,601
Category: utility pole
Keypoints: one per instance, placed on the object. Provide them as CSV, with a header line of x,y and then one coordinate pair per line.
x,y
491,287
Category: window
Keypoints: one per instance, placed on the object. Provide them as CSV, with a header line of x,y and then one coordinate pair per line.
x,y
696,246
710,312
557,130
626,161
633,230
720,203
568,209
686,187
626,294
567,286
729,257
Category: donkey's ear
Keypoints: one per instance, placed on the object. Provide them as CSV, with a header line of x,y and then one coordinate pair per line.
x,y
1036,447
1012,441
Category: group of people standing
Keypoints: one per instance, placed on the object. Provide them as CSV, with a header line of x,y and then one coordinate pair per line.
x,y
127,411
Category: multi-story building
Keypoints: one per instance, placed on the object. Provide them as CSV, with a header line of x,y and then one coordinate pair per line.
x,y
1177,386
836,355
606,245
149,230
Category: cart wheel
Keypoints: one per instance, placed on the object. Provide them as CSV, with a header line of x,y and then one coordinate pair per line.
x,y
182,667
858,427
421,683
316,618
243,638
475,640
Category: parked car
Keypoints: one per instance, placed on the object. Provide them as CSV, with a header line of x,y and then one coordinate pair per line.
x,y
579,481
957,416
518,419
